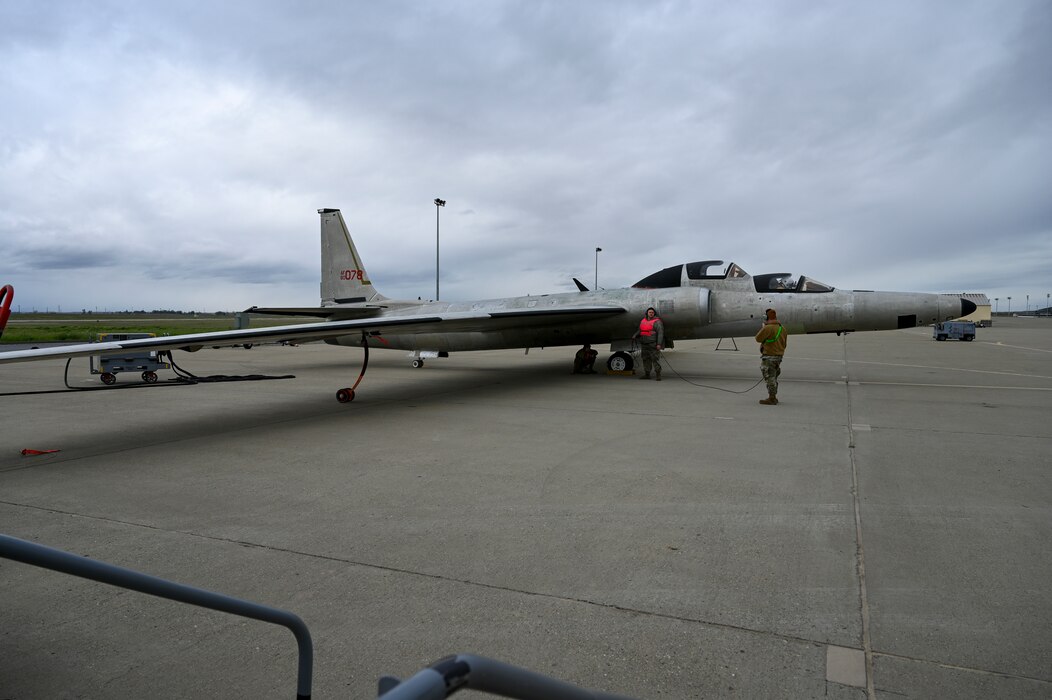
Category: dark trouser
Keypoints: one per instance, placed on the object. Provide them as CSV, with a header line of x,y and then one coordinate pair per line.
x,y
771,367
651,357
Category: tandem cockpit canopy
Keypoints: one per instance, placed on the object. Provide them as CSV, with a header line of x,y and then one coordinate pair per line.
x,y
783,282
685,275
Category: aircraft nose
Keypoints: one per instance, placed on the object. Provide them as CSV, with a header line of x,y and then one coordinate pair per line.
x,y
954,306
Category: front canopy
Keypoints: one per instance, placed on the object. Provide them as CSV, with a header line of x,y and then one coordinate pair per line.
x,y
683,275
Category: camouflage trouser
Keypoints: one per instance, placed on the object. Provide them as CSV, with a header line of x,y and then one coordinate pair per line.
x,y
771,367
651,356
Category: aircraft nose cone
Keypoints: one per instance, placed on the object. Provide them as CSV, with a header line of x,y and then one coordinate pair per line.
x,y
954,306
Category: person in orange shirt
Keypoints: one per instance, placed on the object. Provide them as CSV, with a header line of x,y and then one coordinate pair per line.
x,y
651,335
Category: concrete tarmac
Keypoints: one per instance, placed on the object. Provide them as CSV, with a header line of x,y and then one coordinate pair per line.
x,y
883,532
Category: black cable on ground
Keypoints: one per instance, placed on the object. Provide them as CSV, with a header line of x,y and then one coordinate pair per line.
x,y
68,389
708,386
182,378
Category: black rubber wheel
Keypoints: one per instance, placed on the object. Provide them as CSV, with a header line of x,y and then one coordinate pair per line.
x,y
345,395
149,377
417,364
108,378
620,362
940,337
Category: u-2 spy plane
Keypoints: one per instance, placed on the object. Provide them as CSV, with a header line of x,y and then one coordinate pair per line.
x,y
694,300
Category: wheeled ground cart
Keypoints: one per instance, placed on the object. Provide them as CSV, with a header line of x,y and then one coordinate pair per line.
x,y
108,366
954,330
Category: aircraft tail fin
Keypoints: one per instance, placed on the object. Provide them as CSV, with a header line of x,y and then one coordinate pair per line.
x,y
343,276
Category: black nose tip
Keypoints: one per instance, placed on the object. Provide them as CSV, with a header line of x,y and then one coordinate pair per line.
x,y
967,306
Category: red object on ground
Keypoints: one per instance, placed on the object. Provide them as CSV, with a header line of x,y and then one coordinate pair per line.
x,y
37,452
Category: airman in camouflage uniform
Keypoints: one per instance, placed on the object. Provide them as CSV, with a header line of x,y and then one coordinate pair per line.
x,y
651,335
772,337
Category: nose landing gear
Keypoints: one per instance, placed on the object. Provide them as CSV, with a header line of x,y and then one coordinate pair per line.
x,y
620,361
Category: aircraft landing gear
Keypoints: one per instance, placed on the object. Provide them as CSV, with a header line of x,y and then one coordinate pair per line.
x,y
420,355
346,395
620,361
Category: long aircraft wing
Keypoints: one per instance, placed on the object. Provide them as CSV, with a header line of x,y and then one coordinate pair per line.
x,y
447,322
334,313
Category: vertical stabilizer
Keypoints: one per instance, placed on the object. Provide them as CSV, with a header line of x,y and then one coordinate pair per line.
x,y
343,276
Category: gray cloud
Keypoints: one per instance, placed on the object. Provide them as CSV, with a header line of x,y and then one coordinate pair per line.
x,y
186,146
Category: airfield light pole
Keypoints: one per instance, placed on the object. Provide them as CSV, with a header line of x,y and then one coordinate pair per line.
x,y
1047,310
597,252
439,203
996,299
1028,303
1009,306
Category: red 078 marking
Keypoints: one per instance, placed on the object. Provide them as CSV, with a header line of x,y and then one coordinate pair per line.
x,y
352,274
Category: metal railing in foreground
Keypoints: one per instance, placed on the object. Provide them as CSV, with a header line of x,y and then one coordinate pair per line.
x,y
440,680
58,560
446,676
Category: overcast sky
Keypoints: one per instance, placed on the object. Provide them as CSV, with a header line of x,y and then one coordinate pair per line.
x,y
174,154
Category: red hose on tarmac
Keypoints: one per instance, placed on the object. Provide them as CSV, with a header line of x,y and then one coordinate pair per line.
x,y
7,294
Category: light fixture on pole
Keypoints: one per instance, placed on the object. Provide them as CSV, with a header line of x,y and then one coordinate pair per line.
x,y
1028,303
1009,306
597,252
439,203
996,299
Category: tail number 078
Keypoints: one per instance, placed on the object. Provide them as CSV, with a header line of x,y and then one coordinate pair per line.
x,y
351,275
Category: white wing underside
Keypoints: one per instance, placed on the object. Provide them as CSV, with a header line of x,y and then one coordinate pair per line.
x,y
448,322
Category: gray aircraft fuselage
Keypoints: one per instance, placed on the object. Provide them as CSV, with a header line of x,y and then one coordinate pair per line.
x,y
720,309
691,302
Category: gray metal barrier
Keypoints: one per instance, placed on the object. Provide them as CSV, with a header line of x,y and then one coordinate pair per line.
x,y
453,673
440,680
58,560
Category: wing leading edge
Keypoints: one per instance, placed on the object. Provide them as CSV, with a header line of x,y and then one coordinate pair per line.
x,y
448,322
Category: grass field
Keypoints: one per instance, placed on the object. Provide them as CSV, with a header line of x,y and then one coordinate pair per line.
x,y
52,328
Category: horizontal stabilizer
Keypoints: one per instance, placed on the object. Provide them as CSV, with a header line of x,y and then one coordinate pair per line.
x,y
333,312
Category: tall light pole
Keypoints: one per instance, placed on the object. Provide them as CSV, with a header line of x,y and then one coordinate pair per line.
x,y
439,203
1009,306
597,252
1028,303
1047,310
996,299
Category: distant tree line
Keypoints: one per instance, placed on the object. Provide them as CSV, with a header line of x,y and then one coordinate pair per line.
x,y
167,312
